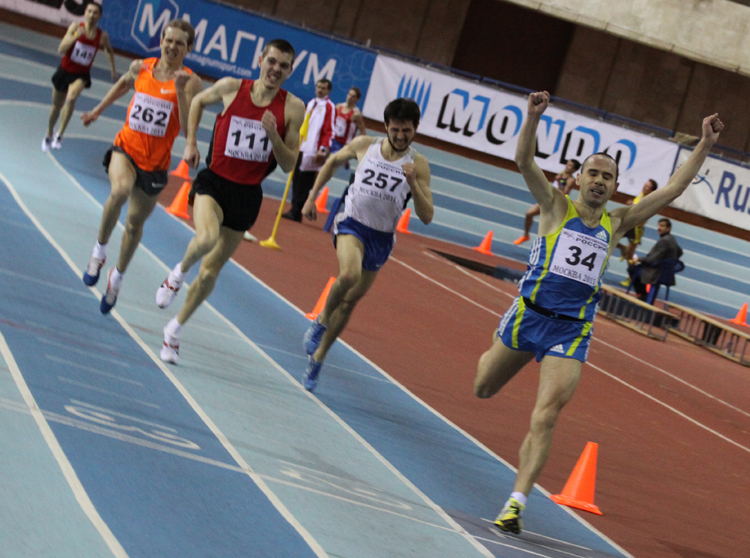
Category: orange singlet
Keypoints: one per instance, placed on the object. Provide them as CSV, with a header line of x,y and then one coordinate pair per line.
x,y
153,121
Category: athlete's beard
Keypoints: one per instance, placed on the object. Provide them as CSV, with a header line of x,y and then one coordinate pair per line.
x,y
394,147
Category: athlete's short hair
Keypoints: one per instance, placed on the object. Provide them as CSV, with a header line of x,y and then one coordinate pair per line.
x,y
617,168
576,164
667,222
182,25
357,92
655,186
282,46
98,5
402,109
325,81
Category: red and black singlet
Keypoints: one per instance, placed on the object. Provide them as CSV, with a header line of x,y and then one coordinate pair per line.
x,y
80,56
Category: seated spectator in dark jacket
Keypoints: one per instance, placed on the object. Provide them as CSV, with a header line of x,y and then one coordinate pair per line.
x,y
665,249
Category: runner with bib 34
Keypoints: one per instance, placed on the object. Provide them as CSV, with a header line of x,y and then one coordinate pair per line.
x,y
552,318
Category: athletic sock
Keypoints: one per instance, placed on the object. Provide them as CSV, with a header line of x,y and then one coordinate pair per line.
x,y
173,327
116,278
177,272
100,250
519,496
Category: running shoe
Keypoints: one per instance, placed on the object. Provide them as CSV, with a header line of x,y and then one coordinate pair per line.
x,y
166,294
310,379
91,275
509,519
521,240
110,298
56,142
625,283
250,237
313,335
170,349
46,142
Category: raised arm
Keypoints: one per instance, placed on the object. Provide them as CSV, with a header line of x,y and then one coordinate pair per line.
x,y
119,89
656,201
225,87
73,32
107,48
418,176
544,193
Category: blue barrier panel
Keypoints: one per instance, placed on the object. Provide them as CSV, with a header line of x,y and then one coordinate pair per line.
x,y
229,41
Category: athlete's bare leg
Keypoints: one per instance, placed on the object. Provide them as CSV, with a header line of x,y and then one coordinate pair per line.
x,y
122,180
207,216
209,271
74,91
140,207
351,285
558,380
497,367
58,101
532,212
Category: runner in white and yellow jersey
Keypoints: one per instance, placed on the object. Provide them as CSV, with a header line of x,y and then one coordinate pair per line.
x,y
553,316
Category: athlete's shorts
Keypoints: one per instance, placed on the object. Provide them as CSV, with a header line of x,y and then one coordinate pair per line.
x,y
635,234
336,145
240,203
378,244
62,79
151,182
524,329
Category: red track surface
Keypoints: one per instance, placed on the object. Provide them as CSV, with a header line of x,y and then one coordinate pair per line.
x,y
667,487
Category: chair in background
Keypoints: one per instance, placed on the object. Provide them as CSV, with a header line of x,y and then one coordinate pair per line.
x,y
667,270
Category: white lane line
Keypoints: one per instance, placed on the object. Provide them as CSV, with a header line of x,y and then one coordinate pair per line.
x,y
67,469
88,354
539,535
107,392
277,503
122,415
93,370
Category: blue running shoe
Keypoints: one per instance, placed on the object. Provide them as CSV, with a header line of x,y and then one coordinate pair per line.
x,y
91,275
110,297
313,335
310,379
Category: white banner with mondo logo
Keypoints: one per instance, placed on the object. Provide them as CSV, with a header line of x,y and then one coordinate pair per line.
x,y
60,12
720,191
466,113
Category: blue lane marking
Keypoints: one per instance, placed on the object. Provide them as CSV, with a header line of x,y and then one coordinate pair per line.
x,y
154,502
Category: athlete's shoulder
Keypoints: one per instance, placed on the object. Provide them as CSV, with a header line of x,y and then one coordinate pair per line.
x,y
136,66
293,102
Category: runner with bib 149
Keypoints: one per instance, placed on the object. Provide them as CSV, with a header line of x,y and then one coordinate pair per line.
x,y
552,318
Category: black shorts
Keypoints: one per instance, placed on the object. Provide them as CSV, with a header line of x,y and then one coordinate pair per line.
x,y
630,235
240,203
150,182
62,79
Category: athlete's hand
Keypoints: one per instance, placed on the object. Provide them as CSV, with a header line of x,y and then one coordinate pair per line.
x,y
538,102
191,155
410,172
269,123
712,127
309,210
89,117
181,78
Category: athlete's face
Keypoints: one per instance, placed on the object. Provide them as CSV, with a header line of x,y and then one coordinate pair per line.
x,y
351,98
322,90
597,180
570,168
92,15
400,134
648,187
275,67
174,45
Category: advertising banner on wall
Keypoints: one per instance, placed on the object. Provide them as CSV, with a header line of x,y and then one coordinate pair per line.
x,y
228,41
720,191
59,12
485,119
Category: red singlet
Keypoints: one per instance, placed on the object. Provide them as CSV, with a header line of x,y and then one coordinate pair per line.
x,y
344,129
80,56
240,151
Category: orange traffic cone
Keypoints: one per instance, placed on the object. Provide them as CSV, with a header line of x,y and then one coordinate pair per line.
x,y
182,170
403,223
741,316
579,490
486,246
322,300
320,203
180,202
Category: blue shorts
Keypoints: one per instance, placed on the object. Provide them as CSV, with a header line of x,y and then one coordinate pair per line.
x,y
378,244
523,329
336,146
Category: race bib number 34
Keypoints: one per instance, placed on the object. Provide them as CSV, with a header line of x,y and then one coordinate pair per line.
x,y
149,115
579,257
247,140
83,54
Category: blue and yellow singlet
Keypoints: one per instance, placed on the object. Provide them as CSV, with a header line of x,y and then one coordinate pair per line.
x,y
565,267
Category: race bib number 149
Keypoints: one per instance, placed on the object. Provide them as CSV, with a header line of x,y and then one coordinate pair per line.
x,y
579,257
83,54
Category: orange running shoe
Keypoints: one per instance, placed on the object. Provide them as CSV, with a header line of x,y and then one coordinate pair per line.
x,y
521,240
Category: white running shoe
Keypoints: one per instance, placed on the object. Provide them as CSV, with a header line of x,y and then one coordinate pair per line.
x,y
250,237
91,275
170,349
56,142
46,142
110,297
166,294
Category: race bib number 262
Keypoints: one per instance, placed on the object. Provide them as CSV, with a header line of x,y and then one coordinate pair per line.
x,y
149,115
